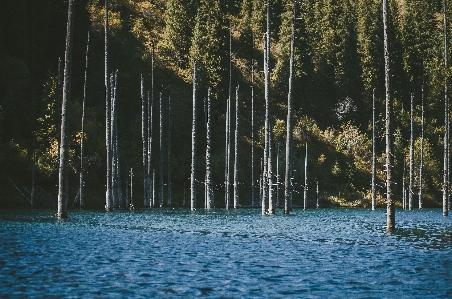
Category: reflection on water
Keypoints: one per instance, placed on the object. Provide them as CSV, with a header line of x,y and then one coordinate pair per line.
x,y
169,253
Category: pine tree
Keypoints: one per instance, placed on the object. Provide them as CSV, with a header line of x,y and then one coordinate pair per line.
x,y
64,146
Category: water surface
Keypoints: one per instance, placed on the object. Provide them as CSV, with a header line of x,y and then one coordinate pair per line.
x,y
175,253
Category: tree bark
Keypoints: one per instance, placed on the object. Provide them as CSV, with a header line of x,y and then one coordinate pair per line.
x,y
193,147
289,124
82,137
446,122
236,150
108,200
305,189
161,150
209,189
64,145
421,164
169,152
144,141
411,191
252,125
374,155
390,206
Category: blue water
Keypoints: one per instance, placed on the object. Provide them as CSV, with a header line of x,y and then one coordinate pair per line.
x,y
174,253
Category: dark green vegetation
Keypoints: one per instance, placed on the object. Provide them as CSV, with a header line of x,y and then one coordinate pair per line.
x,y
338,61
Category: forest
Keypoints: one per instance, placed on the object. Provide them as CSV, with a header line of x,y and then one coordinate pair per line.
x,y
338,77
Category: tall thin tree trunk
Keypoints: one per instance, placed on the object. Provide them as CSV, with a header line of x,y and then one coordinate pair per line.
x,y
252,125
127,191
114,182
305,189
266,141
317,195
278,149
109,199
421,164
404,201
271,199
411,191
116,145
236,150
446,122
64,145
153,198
228,126
144,142
33,173
60,96
169,151
209,190
131,188
374,155
82,137
390,213
193,147
289,131
161,150
150,127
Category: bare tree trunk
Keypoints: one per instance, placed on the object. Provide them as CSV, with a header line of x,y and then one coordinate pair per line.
x,y
161,150
252,125
169,152
289,133
209,189
446,123
33,179
374,155
317,195
108,201
278,149
144,143
390,213
150,129
60,95
193,147
127,192
114,147
64,145
404,201
153,198
421,164
271,200
266,141
305,189
131,189
82,137
236,150
411,192
228,127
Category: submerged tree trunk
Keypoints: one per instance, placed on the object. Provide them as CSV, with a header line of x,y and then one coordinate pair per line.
x,y
266,141
289,123
144,142
169,152
209,187
161,150
82,136
305,190
446,123
374,155
390,206
252,125
421,164
236,150
193,147
228,128
108,200
64,145
410,191
32,200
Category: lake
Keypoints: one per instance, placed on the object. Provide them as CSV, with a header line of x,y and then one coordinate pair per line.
x,y
175,253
